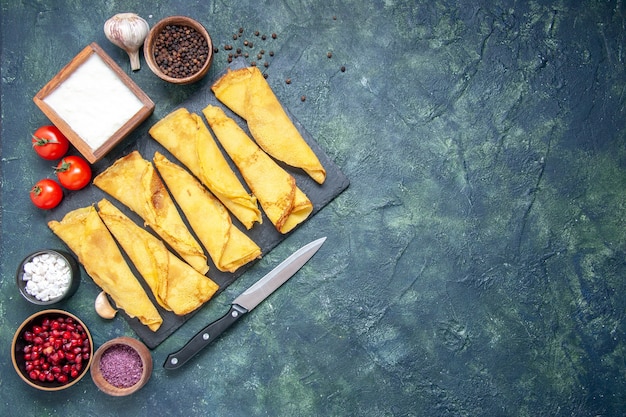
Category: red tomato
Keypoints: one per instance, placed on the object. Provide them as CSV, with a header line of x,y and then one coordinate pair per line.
x,y
46,194
73,172
50,143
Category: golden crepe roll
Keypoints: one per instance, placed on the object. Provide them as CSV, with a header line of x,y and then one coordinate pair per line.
x,y
186,136
133,181
228,247
85,234
175,285
283,202
246,92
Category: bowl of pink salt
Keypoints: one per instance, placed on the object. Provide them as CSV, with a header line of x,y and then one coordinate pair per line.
x,y
121,366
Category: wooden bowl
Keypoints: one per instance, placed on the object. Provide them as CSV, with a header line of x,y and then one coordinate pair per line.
x,y
151,40
20,343
68,291
121,366
94,103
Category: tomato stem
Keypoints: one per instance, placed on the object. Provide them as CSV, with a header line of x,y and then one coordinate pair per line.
x,y
63,166
42,141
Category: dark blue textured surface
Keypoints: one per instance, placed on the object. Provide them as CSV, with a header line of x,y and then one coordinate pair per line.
x,y
476,264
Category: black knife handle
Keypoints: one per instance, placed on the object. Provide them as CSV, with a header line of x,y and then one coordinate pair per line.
x,y
204,337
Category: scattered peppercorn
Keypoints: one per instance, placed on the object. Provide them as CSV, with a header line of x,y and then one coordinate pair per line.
x,y
343,68
329,55
216,49
265,75
253,63
249,44
180,51
266,64
303,98
288,80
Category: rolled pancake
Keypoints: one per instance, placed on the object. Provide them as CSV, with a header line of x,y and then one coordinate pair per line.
x,y
246,92
228,247
85,234
133,181
186,136
175,285
283,202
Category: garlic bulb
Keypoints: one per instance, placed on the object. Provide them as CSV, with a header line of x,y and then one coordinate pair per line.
x,y
128,31
103,306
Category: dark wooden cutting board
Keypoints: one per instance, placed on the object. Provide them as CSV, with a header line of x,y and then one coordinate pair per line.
x,y
265,235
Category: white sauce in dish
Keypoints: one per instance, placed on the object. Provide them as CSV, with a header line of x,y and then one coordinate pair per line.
x,y
94,101
47,276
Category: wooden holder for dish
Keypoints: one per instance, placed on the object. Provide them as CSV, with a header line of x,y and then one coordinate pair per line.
x,y
108,388
18,344
93,155
150,41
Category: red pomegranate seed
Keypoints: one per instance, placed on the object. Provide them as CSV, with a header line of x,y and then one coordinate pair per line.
x,y
56,350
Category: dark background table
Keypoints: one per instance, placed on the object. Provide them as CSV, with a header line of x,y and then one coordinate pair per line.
x,y
475,266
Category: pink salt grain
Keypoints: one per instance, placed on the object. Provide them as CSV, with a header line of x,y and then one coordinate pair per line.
x,y
121,366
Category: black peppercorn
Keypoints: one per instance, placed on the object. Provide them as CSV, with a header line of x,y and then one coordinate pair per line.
x,y
180,51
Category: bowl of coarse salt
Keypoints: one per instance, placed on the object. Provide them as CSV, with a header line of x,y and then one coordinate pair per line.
x,y
48,277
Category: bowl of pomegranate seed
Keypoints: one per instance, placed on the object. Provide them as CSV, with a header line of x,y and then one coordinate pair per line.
x,y
52,350
179,50
121,366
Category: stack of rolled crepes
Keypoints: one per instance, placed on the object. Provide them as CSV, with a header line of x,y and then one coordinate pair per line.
x,y
207,194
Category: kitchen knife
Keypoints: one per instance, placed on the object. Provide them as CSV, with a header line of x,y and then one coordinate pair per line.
x,y
244,303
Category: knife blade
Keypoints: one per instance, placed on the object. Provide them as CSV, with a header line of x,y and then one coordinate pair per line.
x,y
244,303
